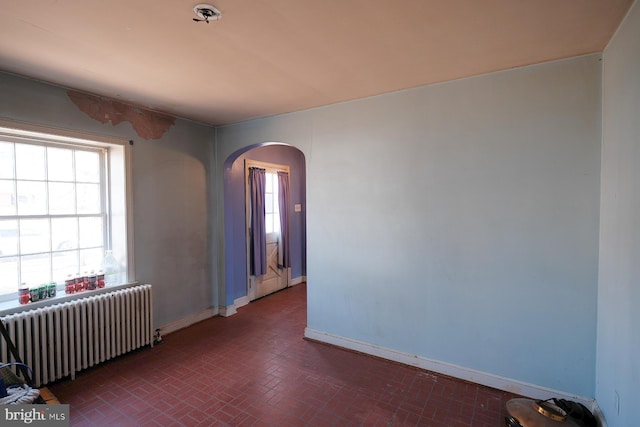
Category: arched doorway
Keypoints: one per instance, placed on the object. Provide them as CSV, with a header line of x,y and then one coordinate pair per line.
x,y
235,227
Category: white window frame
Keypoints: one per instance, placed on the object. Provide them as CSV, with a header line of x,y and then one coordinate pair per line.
x,y
119,201
272,168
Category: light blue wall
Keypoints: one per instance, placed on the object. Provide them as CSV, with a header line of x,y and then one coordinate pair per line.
x,y
618,356
171,195
458,221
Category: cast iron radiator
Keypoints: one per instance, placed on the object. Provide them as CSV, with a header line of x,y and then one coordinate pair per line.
x,y
59,340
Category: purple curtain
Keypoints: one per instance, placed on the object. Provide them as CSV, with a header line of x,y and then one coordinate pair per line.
x,y
258,233
283,205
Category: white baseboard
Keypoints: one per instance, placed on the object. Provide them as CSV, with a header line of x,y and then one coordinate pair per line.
x,y
298,280
495,381
242,301
187,321
230,310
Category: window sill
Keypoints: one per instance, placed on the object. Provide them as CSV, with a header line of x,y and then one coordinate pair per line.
x,y
11,307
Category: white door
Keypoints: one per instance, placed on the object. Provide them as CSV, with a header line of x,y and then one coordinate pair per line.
x,y
275,278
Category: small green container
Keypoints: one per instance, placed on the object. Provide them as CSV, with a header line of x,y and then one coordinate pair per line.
x,y
51,290
44,291
35,294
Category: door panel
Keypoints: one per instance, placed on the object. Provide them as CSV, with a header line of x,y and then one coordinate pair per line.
x,y
275,278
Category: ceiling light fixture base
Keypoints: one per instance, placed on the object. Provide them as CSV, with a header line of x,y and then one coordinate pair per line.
x,y
206,13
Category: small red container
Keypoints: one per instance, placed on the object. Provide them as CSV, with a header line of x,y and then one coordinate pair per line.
x,y
69,286
24,295
79,284
93,281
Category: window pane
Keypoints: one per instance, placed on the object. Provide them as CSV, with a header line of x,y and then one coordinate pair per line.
x,y
276,223
91,260
60,162
32,198
65,264
62,198
6,160
34,236
52,222
36,269
8,238
87,166
276,206
7,197
30,161
88,198
268,223
90,232
64,234
268,203
268,185
9,274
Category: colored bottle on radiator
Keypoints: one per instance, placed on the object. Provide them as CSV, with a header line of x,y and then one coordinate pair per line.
x,y
93,281
24,296
70,285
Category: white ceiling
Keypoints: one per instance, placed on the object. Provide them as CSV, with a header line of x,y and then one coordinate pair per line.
x,y
266,57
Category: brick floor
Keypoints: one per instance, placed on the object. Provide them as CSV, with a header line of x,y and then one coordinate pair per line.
x,y
255,369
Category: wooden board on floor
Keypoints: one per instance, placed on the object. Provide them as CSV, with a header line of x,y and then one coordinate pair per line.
x,y
49,398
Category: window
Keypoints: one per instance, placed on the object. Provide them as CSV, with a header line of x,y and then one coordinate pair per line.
x,y
62,204
271,205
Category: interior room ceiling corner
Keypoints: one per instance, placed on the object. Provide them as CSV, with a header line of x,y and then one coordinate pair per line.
x,y
261,58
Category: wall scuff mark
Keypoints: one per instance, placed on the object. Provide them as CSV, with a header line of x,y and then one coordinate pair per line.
x,y
147,124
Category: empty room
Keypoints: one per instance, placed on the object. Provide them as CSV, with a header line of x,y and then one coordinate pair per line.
x,y
321,213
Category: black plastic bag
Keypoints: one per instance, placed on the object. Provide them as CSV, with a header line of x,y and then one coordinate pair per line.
x,y
577,412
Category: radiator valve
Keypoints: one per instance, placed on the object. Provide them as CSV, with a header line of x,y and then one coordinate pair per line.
x,y
157,339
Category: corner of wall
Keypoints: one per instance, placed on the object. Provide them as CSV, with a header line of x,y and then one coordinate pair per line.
x,y
230,310
187,321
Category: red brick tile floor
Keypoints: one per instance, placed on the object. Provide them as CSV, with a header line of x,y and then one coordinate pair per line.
x,y
256,369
